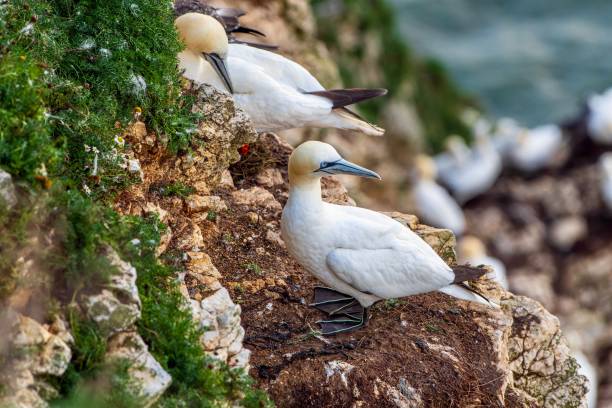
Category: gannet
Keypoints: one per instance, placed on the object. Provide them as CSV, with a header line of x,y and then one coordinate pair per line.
x,y
469,172
506,136
362,255
536,148
599,120
433,203
228,17
207,47
605,165
275,92
472,251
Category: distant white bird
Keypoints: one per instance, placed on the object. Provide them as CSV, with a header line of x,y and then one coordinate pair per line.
x,y
506,136
472,251
536,148
275,92
434,205
469,172
364,256
605,165
587,369
599,120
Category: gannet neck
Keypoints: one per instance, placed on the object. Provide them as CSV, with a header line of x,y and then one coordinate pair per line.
x,y
305,190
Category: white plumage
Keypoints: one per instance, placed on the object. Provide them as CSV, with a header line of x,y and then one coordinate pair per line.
x,y
605,165
469,172
274,91
599,121
536,148
434,205
506,137
359,252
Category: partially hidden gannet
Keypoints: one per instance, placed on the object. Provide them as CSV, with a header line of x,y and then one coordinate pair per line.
x,y
469,172
605,165
506,136
362,255
590,372
471,250
536,148
228,17
434,205
207,47
599,120
275,92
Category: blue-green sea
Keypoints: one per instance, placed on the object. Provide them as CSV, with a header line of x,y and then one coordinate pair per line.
x,y
533,60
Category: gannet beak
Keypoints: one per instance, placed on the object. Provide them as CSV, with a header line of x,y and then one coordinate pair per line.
x,y
342,166
219,65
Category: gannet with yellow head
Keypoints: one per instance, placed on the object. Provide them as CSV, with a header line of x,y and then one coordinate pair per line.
x,y
274,91
473,251
207,48
434,205
362,255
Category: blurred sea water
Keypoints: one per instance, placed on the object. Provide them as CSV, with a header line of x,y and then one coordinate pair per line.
x,y
533,60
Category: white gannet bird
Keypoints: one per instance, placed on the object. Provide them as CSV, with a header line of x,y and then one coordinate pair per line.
x,y
506,136
457,152
605,165
228,17
434,204
362,255
207,47
599,120
469,172
275,92
472,251
536,148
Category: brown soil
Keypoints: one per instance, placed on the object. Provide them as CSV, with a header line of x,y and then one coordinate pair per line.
x,y
396,346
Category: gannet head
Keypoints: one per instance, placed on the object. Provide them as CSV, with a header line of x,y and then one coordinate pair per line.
x,y
425,167
313,160
471,247
205,36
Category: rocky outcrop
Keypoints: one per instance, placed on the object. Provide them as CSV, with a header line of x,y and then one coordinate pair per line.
x,y
8,195
33,355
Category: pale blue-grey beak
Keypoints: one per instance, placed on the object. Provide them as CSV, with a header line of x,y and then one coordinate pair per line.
x,y
219,66
342,166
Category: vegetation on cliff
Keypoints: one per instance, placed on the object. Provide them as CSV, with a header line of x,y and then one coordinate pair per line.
x,y
73,75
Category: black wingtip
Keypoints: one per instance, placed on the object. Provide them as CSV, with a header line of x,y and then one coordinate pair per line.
x,y
345,97
466,273
248,30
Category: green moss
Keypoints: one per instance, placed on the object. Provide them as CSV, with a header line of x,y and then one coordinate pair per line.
x,y
174,189
423,83
71,78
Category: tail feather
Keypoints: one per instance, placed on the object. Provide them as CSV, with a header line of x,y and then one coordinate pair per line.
x,y
351,120
344,97
248,30
461,289
466,273
464,292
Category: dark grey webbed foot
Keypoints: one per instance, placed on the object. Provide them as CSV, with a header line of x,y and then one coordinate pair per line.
x,y
332,302
344,323
345,312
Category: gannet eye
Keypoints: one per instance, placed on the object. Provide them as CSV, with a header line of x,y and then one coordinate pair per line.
x,y
324,164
